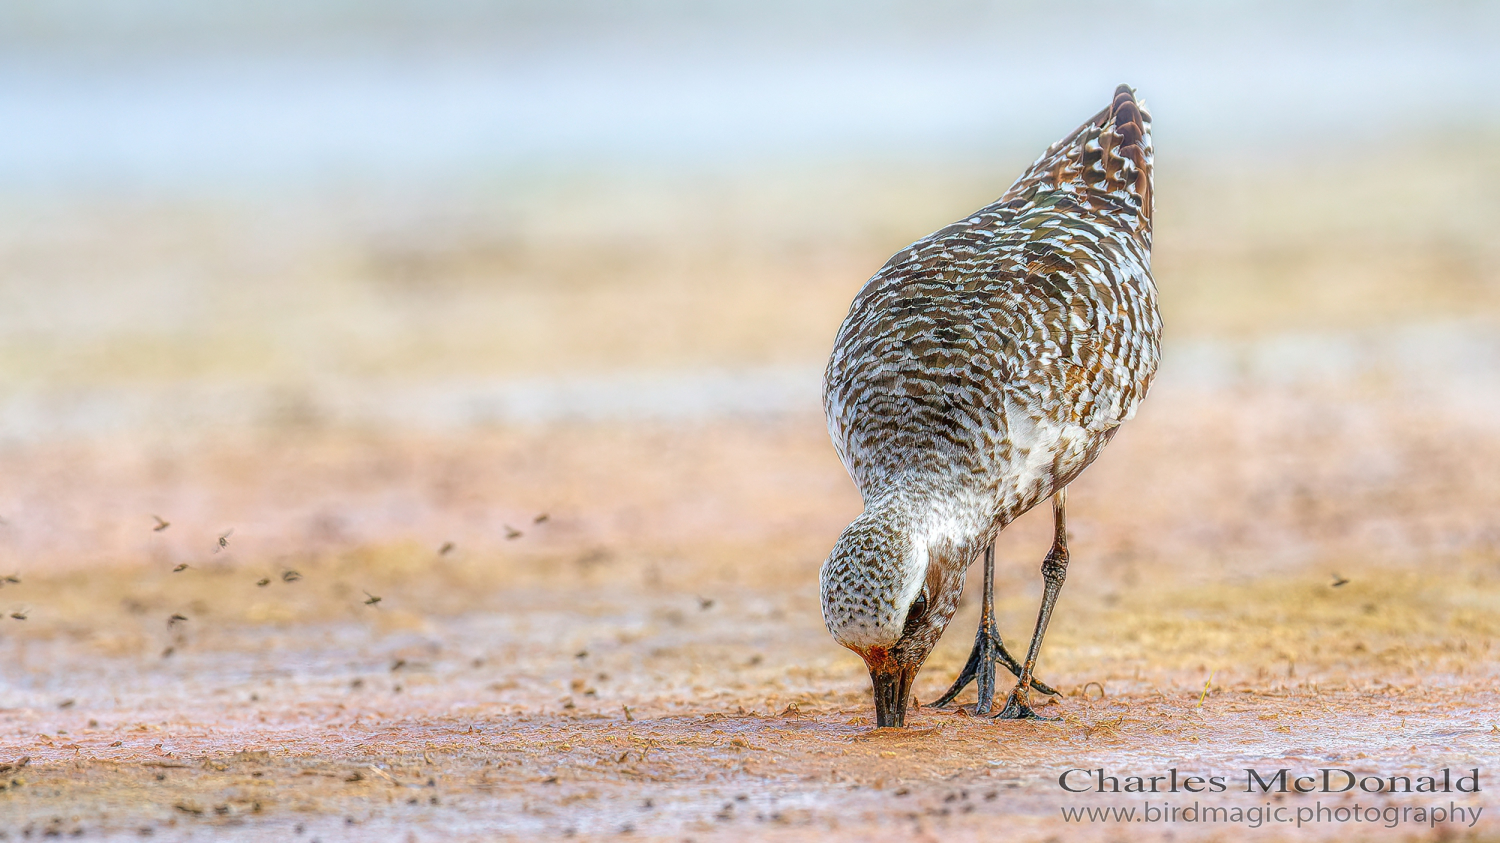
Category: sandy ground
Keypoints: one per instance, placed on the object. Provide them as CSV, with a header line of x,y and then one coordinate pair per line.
x,y
648,659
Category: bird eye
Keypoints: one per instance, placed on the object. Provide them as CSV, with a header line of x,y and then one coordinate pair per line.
x,y
917,611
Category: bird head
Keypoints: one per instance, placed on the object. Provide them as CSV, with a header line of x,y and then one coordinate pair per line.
x,y
888,599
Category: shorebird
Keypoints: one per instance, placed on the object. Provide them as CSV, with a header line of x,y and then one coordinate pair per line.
x,y
977,374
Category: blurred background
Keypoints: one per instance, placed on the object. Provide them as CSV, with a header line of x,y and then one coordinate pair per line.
x,y
447,212
346,236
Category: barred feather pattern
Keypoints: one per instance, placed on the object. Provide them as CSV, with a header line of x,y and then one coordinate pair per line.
x,y
986,365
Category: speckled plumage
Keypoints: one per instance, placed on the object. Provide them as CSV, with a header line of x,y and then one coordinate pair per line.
x,y
982,369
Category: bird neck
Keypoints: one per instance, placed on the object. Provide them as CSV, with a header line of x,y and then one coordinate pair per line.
x,y
943,523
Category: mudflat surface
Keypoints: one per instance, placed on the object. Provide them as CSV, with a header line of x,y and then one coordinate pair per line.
x,y
648,658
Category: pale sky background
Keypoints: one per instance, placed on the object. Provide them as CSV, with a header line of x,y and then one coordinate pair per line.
x,y
152,95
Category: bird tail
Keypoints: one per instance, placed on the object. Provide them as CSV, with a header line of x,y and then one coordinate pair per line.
x,y
1108,158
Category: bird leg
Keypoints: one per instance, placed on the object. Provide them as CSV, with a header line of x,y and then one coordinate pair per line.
x,y
988,649
1054,571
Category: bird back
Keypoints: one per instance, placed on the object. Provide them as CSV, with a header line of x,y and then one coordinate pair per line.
x,y
1035,313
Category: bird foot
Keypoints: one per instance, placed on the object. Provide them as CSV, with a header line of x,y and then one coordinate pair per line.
x,y
988,651
1017,708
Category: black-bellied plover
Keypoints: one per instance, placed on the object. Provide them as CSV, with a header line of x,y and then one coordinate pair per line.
x,y
977,374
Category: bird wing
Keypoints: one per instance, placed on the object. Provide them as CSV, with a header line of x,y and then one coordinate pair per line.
x,y
1042,300
1105,164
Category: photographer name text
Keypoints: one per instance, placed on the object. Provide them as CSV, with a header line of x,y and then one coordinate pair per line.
x,y
1284,780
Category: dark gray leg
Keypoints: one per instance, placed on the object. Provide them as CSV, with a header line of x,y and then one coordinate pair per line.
x,y
988,649
1054,571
